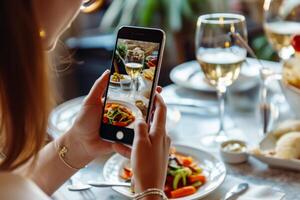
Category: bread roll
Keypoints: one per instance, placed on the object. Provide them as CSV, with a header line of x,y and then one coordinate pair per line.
x,y
286,127
288,146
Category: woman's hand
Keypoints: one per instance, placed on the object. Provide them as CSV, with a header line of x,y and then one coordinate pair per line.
x,y
150,151
83,137
84,134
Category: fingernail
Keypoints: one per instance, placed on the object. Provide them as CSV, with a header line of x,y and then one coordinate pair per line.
x,y
107,71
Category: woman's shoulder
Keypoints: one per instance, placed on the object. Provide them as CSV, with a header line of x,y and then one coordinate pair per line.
x,y
15,187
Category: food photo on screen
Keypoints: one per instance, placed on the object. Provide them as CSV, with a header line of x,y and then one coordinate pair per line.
x,y
131,81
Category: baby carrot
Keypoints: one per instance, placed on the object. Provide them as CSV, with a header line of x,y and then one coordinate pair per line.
x,y
187,161
182,192
194,178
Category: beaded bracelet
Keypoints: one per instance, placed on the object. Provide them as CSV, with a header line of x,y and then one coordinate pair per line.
x,y
150,191
62,151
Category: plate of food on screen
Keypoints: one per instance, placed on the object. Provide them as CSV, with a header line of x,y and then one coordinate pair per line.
x,y
116,78
192,173
151,61
149,73
121,113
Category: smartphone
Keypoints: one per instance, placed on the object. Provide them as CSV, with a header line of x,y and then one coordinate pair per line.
x,y
133,78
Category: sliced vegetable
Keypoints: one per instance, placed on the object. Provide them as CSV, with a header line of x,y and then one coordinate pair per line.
x,y
172,172
197,184
105,120
188,171
119,123
176,180
184,179
187,161
195,168
183,175
180,174
195,178
182,192
126,174
118,115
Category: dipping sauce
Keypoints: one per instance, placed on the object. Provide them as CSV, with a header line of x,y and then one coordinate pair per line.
x,y
235,147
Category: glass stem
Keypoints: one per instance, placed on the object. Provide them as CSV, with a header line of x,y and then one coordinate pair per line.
x,y
221,99
264,106
135,87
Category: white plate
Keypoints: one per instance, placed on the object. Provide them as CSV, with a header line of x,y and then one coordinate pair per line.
x,y
213,168
268,143
181,75
63,116
118,83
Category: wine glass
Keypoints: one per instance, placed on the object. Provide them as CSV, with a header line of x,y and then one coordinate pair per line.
x,y
281,22
220,57
134,62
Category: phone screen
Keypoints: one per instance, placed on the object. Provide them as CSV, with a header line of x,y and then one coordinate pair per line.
x,y
132,78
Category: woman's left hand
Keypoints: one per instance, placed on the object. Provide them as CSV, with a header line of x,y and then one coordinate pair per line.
x,y
85,131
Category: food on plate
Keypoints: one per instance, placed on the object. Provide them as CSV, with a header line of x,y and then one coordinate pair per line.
x,y
117,114
291,74
286,127
127,173
287,141
184,176
236,147
149,73
142,106
288,146
291,67
116,77
151,61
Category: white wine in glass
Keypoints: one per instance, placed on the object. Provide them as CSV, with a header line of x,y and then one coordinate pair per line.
x,y
134,62
281,22
220,56
221,66
133,69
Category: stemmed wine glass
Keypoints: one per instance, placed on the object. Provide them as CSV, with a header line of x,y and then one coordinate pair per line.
x,y
134,62
220,56
281,22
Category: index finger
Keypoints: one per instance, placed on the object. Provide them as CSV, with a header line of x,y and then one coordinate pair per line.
x,y
160,116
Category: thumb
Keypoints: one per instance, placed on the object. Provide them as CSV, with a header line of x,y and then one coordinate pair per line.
x,y
98,89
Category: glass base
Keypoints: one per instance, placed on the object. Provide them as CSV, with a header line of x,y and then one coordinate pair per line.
x,y
213,141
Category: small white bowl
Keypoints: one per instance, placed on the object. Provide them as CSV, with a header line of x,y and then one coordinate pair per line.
x,y
233,157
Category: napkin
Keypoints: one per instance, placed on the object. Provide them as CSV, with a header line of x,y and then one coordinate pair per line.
x,y
255,192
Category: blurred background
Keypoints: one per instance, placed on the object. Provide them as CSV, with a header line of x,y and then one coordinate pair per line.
x,y
85,50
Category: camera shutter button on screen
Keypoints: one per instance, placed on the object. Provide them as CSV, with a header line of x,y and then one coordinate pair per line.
x,y
120,135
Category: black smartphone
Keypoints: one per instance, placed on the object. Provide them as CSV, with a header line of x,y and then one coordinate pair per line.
x,y
133,78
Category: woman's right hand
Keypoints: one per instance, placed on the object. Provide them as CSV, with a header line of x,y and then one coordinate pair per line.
x,y
150,152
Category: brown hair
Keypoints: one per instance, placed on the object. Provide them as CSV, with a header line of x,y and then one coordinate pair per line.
x,y
24,89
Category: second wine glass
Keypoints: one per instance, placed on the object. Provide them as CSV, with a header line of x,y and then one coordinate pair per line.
x,y
281,22
220,56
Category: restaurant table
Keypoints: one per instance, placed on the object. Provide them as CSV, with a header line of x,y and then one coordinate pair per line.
x,y
188,131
